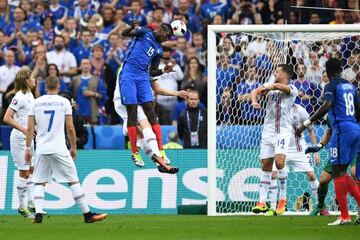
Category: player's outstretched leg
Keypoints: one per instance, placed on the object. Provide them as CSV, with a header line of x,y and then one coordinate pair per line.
x,y
132,131
79,197
22,191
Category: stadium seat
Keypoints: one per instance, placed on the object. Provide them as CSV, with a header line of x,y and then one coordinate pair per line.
x,y
109,137
5,137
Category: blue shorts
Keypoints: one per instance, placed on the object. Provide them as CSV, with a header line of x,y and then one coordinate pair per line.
x,y
135,89
344,146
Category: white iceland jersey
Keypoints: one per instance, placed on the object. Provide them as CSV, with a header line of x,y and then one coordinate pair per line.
x,y
49,112
278,116
21,105
298,116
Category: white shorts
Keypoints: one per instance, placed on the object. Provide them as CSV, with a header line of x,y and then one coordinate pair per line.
x,y
297,161
59,166
121,111
17,149
274,143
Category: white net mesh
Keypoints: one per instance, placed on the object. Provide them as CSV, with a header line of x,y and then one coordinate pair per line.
x,y
244,62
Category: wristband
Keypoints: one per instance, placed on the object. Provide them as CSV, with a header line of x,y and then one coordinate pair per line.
x,y
320,145
27,148
307,123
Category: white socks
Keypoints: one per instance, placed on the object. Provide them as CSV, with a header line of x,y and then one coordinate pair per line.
x,y
143,146
273,192
265,180
22,192
314,187
150,140
30,187
282,177
39,198
79,197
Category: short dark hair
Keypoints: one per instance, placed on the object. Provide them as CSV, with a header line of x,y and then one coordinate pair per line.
x,y
333,67
167,27
287,69
158,9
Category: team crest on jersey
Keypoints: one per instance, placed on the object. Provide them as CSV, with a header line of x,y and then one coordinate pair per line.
x,y
14,101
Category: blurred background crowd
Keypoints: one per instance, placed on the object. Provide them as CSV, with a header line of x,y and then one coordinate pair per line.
x,y
80,42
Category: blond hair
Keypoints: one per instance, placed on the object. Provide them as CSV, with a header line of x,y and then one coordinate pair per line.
x,y
52,82
20,80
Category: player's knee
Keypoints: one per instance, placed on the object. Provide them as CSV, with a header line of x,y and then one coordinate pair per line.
x,y
311,176
266,165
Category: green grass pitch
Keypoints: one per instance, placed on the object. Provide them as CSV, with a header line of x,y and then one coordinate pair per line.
x,y
184,227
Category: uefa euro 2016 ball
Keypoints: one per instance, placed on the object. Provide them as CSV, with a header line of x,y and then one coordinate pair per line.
x,y
179,28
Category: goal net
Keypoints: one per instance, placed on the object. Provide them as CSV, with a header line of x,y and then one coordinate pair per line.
x,y
241,58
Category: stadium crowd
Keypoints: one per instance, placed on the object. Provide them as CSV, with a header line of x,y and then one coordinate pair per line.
x,y
80,42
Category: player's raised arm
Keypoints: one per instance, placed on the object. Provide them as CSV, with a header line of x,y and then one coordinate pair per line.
x,y
166,92
131,31
254,95
278,86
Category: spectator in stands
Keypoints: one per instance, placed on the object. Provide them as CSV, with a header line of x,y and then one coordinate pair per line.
x,y
173,141
306,88
180,53
198,44
17,28
135,14
4,12
101,69
248,114
84,48
108,17
51,71
214,7
192,123
314,70
194,24
47,30
225,113
81,131
257,47
59,12
63,59
39,62
89,92
7,72
169,10
352,68
84,10
158,14
71,27
226,75
169,81
315,18
117,52
194,78
246,14
339,17
3,47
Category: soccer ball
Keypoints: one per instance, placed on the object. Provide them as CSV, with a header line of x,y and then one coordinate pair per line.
x,y
179,28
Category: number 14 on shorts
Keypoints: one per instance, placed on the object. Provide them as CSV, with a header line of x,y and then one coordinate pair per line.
x,y
281,143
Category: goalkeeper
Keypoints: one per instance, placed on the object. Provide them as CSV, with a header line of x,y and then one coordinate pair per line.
x,y
326,175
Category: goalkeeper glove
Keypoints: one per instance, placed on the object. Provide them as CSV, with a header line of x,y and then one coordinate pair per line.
x,y
314,148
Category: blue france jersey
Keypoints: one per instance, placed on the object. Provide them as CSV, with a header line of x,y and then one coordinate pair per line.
x,y
143,51
343,95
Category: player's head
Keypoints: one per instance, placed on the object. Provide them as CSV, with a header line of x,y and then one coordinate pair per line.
x,y
333,68
24,81
52,84
283,74
163,32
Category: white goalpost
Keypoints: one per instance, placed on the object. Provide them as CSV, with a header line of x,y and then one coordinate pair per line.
x,y
241,57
